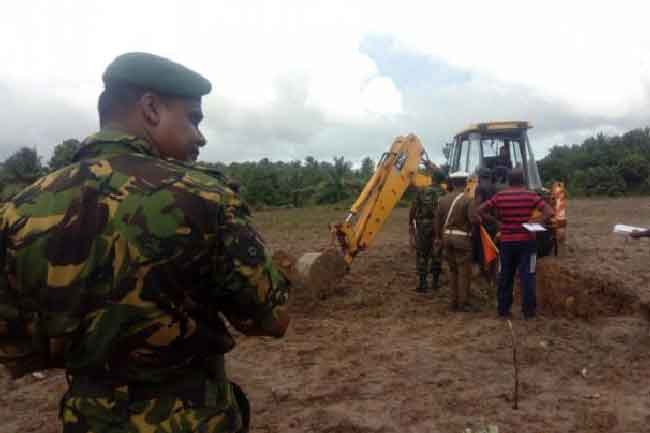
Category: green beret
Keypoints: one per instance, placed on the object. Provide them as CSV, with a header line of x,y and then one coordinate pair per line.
x,y
156,73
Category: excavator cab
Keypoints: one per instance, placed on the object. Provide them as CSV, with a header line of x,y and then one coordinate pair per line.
x,y
502,147
498,146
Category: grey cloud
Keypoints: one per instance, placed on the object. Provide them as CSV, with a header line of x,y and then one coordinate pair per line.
x,y
441,99
437,114
289,129
278,131
38,120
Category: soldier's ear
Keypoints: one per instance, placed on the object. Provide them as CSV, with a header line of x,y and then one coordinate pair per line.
x,y
150,105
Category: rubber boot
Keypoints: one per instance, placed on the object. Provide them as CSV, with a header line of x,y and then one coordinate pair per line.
x,y
422,285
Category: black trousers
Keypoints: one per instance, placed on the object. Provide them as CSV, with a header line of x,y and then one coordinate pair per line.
x,y
517,256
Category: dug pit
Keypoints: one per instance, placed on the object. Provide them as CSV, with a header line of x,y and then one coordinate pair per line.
x,y
565,291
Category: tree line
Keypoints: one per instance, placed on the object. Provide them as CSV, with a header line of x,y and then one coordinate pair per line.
x,y
297,183
601,165
264,183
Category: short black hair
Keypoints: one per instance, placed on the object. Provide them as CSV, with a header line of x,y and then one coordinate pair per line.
x,y
516,177
116,99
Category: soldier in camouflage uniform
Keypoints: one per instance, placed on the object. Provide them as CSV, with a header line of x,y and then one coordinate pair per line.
x,y
139,255
421,220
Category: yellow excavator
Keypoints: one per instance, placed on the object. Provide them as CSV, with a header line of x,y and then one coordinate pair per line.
x,y
397,169
402,166
499,146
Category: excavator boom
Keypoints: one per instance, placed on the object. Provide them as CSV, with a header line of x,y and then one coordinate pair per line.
x,y
396,171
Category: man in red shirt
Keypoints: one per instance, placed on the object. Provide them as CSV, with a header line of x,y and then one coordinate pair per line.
x,y
518,249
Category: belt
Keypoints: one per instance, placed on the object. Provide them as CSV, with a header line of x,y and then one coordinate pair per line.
x,y
456,232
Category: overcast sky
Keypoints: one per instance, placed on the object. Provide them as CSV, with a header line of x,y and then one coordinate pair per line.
x,y
298,78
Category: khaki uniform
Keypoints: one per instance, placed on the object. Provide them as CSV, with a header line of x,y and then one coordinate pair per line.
x,y
457,243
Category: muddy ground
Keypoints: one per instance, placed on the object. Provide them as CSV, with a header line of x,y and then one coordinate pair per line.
x,y
373,356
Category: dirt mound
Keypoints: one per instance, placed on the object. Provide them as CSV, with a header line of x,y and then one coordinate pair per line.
x,y
579,292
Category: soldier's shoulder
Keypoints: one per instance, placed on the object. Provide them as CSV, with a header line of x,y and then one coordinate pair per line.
x,y
54,183
210,171
163,173
207,183
208,177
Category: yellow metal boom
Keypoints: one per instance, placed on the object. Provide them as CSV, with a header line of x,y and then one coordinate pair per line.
x,y
396,171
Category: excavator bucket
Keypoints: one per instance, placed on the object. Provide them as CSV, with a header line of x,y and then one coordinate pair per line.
x,y
396,171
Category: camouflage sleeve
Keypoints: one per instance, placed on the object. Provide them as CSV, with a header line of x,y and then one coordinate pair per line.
x,y
255,292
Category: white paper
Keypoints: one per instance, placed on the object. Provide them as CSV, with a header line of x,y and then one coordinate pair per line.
x,y
623,229
534,227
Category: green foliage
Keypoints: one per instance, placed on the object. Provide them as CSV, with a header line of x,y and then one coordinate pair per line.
x,y
339,183
64,153
18,171
602,165
297,183
603,181
367,169
634,169
23,166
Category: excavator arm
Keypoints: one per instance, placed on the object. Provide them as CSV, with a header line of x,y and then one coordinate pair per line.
x,y
396,171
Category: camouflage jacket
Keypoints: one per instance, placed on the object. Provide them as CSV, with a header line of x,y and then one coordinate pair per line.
x,y
140,257
424,205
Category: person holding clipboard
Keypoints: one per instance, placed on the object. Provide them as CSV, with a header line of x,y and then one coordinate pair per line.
x,y
514,207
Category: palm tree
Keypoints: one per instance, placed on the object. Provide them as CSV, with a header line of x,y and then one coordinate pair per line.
x,y
339,183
